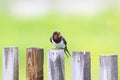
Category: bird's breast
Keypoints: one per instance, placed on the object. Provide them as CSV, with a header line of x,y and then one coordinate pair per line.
x,y
59,45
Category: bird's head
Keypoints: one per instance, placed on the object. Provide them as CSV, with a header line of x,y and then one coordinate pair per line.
x,y
56,35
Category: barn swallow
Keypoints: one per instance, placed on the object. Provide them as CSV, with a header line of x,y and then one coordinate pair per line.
x,y
59,42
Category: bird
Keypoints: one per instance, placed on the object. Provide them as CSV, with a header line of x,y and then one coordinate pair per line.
x,y
59,42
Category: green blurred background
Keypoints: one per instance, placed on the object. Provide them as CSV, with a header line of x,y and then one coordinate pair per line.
x,y
87,26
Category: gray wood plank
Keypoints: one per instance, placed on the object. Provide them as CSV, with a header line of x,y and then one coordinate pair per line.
x,y
108,67
56,65
81,66
10,63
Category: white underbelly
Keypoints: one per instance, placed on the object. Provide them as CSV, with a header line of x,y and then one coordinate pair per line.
x,y
59,45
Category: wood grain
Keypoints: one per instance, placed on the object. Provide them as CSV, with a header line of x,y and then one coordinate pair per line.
x,y
34,64
81,66
10,69
108,67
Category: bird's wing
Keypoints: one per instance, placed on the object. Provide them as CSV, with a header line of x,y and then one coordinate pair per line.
x,y
51,39
64,41
66,50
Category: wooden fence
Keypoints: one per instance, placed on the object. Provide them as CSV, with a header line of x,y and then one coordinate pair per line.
x,y
81,65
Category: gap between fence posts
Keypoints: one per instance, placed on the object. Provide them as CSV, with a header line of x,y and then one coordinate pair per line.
x,y
10,69
56,65
81,66
34,64
108,67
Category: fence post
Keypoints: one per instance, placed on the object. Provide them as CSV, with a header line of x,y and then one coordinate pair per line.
x,y
81,66
10,63
108,67
34,64
56,65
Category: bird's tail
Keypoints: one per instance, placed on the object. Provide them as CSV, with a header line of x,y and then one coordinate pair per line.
x,y
67,52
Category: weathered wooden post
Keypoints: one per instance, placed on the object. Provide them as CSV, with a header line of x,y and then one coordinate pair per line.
x,y
56,65
108,67
34,64
81,66
10,63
